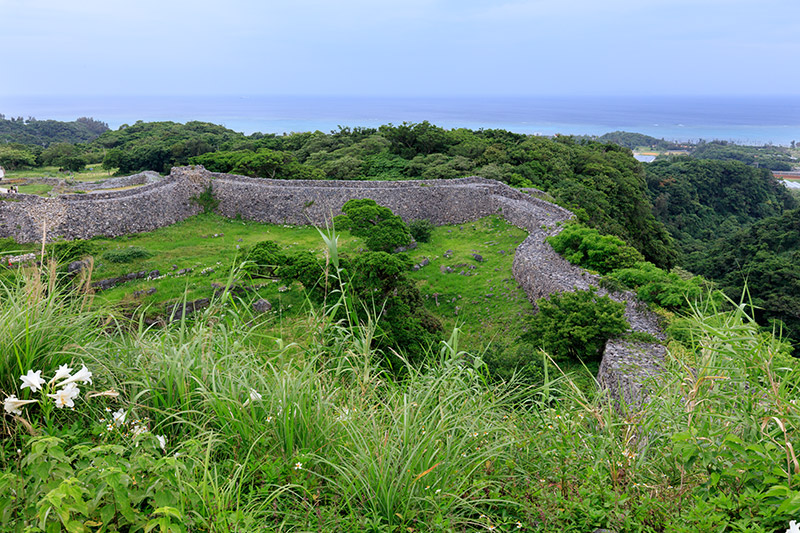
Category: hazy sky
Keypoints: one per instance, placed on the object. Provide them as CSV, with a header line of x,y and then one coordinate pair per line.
x,y
400,48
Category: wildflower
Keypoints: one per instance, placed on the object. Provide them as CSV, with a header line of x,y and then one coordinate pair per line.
x,y
33,380
12,404
110,427
65,396
82,375
269,419
794,527
438,491
255,396
138,429
298,466
519,524
344,414
628,454
162,441
119,417
63,372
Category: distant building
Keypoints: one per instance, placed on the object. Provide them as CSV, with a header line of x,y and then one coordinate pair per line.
x,y
2,173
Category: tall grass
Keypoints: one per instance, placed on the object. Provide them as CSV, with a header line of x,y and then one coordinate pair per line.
x,y
46,320
302,430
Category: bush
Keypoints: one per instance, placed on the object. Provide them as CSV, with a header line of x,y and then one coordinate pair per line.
x,y
68,251
382,230
126,255
264,258
586,247
576,324
421,230
206,200
656,286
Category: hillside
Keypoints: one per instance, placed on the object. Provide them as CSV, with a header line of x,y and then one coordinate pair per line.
x,y
43,133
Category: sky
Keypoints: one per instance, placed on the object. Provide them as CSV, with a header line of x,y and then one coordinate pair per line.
x,y
400,48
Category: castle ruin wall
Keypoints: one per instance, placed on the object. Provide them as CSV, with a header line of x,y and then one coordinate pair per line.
x,y
538,269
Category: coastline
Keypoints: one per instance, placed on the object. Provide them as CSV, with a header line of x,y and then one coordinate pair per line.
x,y
751,121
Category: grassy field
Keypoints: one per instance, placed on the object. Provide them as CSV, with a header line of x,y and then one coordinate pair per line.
x,y
480,296
90,173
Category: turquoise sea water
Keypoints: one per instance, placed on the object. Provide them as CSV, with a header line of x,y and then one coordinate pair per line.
x,y
745,120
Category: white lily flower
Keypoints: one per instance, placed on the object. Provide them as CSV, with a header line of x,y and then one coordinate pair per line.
x,y
255,396
65,396
119,417
794,527
162,441
12,404
33,380
81,375
63,372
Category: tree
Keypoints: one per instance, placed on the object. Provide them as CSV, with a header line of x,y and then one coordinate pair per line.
x,y
13,158
382,230
576,324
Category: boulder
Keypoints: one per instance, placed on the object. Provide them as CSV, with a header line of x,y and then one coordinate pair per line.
x,y
262,305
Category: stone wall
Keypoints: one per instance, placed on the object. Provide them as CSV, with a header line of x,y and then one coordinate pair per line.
x,y
142,178
538,269
82,216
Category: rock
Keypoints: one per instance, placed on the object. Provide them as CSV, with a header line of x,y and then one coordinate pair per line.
x,y
77,267
144,292
448,254
478,258
183,271
262,305
153,274
400,249
105,284
444,269
425,262
179,310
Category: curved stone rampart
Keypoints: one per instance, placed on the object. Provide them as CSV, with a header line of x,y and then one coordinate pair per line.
x,y
538,269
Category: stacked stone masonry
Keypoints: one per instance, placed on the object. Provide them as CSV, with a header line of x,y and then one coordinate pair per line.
x,y
540,271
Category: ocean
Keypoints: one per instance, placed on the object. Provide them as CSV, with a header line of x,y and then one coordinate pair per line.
x,y
744,120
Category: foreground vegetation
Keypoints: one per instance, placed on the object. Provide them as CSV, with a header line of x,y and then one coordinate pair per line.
x,y
233,422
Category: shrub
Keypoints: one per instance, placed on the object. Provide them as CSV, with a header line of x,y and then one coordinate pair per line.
x,y
264,258
586,247
421,230
576,324
656,286
382,230
126,255
68,251
206,200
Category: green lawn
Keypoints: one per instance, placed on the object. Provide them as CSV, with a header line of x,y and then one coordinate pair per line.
x,y
487,302
90,173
